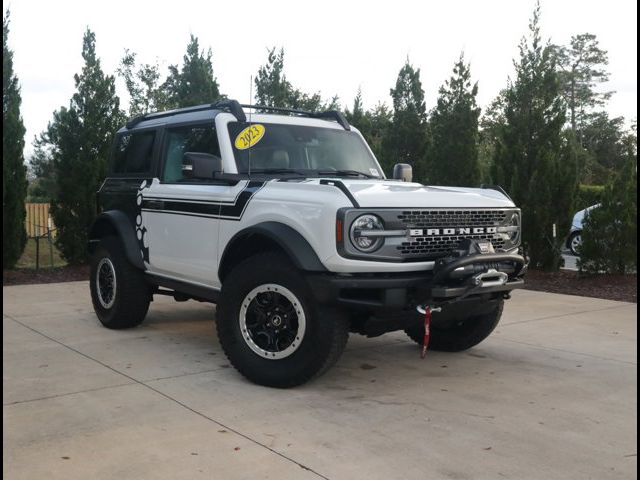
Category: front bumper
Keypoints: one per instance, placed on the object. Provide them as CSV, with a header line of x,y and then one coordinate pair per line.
x,y
400,291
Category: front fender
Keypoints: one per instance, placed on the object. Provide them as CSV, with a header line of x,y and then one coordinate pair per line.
x,y
289,240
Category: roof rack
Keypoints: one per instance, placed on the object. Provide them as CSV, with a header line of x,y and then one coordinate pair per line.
x,y
329,114
236,109
230,105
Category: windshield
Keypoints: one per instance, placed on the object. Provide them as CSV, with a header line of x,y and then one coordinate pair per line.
x,y
300,149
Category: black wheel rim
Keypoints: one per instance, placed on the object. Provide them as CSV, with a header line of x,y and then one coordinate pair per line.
x,y
106,283
272,321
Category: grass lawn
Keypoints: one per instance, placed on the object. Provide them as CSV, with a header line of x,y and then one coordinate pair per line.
x,y
28,258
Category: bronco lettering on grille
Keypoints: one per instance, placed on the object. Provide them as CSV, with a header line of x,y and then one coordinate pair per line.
x,y
436,232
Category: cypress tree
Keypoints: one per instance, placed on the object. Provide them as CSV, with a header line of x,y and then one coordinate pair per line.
x,y
194,83
14,173
534,159
406,140
453,127
79,140
274,90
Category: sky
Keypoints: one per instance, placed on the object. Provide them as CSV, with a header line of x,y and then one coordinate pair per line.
x,y
331,47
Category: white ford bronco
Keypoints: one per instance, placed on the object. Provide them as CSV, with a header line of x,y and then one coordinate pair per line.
x,y
285,220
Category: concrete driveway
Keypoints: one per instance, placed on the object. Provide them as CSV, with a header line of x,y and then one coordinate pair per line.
x,y
552,394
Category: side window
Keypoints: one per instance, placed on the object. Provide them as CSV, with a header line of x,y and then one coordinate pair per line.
x,y
192,138
133,152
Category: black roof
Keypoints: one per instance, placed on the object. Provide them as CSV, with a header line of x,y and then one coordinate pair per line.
x,y
209,112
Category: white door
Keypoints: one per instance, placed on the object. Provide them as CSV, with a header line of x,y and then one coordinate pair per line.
x,y
179,219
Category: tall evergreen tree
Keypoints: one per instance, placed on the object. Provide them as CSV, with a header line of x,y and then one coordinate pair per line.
x,y
14,173
406,140
272,87
194,83
581,67
491,123
534,160
603,139
356,116
453,145
79,139
372,124
274,90
146,93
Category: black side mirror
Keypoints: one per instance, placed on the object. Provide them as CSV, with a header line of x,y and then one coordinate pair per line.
x,y
402,171
200,165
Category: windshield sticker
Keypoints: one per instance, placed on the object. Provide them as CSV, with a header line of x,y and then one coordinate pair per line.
x,y
249,136
374,172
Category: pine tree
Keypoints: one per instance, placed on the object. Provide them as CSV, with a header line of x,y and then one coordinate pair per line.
x,y
79,140
533,159
582,66
453,127
406,140
194,83
14,173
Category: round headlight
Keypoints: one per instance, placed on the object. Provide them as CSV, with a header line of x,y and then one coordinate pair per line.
x,y
359,229
515,222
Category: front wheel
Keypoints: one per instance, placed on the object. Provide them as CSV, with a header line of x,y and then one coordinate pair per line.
x,y
270,326
461,334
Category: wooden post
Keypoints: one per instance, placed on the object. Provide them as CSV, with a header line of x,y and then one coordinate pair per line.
x,y
37,247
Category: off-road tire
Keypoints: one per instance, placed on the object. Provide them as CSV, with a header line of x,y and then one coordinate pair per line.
x,y
325,337
132,292
462,335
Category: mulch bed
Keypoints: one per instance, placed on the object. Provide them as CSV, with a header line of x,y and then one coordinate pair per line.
x,y
610,287
24,276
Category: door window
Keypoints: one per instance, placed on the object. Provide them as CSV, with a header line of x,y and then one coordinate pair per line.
x,y
192,138
133,153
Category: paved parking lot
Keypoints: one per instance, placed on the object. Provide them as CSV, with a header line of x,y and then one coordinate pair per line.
x,y
552,394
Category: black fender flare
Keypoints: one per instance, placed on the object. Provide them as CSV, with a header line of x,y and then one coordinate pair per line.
x,y
115,221
295,246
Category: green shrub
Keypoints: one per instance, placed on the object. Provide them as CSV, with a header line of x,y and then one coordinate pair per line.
x,y
610,234
588,195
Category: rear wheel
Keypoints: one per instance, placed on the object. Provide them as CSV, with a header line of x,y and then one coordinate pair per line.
x,y
461,334
270,326
119,292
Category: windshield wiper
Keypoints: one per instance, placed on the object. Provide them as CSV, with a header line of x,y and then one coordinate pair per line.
x,y
280,170
345,173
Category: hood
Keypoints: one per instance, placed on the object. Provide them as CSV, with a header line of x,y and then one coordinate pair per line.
x,y
393,194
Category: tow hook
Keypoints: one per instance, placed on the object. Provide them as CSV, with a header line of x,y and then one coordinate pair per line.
x,y
427,311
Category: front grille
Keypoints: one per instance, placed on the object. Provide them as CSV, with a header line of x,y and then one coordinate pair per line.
x,y
432,247
452,218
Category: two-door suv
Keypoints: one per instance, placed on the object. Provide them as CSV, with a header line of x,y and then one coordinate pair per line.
x,y
285,220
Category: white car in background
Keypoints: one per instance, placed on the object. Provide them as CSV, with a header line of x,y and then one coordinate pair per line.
x,y
574,240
